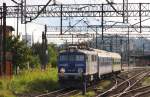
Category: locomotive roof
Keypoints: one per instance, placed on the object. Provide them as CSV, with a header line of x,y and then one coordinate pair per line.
x,y
107,54
85,51
116,55
94,51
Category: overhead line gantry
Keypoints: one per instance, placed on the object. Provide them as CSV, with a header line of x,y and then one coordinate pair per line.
x,y
80,10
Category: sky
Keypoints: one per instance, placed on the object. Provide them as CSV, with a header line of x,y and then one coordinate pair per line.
x,y
37,26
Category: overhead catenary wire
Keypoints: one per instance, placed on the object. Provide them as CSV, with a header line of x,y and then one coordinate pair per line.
x,y
110,3
16,2
41,10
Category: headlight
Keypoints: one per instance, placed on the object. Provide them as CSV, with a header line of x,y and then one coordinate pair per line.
x,y
80,70
62,70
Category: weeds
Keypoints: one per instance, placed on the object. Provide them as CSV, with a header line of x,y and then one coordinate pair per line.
x,y
29,82
146,81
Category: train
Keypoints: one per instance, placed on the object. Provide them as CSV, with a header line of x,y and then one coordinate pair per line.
x,y
80,66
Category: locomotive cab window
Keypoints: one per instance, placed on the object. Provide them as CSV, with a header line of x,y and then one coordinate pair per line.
x,y
79,57
71,57
63,58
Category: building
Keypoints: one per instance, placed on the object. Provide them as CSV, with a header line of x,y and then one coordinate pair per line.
x,y
9,30
142,59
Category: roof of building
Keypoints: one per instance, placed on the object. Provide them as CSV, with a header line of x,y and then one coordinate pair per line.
x,y
8,27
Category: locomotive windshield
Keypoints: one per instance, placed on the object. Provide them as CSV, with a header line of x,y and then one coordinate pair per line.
x,y
71,57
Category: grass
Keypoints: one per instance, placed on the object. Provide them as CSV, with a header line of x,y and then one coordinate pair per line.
x,y
35,81
146,81
88,94
104,85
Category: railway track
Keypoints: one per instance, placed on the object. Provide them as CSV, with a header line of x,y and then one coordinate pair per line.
x,y
120,88
136,92
131,85
59,93
124,86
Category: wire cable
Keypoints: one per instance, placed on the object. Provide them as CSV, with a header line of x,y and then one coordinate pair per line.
x,y
16,2
41,10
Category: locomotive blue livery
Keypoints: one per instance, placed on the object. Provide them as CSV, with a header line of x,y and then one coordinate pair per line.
x,y
74,65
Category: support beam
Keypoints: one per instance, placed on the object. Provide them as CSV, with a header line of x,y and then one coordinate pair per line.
x,y
4,37
125,11
91,27
81,10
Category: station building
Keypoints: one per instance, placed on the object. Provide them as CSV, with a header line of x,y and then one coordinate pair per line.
x,y
141,60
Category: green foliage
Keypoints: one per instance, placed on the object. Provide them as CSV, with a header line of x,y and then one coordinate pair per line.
x,y
37,50
5,88
146,81
52,53
22,54
30,81
34,61
19,50
88,94
36,81
104,85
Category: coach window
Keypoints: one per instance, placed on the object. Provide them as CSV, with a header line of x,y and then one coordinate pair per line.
x,y
92,57
114,61
95,58
118,61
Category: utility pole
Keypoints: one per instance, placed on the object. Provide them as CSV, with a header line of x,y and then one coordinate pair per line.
x,y
102,24
61,20
140,16
1,39
128,48
96,38
111,44
32,38
17,21
116,42
121,51
25,4
72,39
143,48
44,49
4,38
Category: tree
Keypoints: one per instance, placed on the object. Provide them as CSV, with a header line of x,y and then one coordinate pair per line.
x,y
51,58
22,55
52,53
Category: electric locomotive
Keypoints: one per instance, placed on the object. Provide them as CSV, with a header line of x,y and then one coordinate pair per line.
x,y
79,65
71,66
